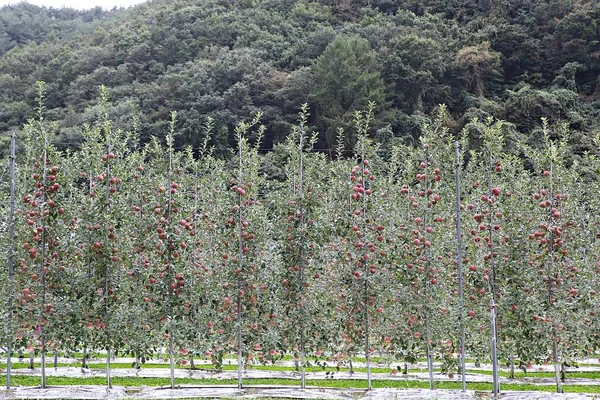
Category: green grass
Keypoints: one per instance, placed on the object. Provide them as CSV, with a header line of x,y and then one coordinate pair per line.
x,y
208,367
535,374
326,383
386,370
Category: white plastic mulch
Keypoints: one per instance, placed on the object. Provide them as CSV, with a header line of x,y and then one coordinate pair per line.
x,y
96,392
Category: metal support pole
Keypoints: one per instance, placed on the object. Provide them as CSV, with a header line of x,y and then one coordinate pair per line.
x,y
496,388
106,275
240,263
555,355
301,260
494,295
170,249
460,272
43,260
11,261
366,287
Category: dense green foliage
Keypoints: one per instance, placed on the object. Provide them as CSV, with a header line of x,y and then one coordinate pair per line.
x,y
136,249
516,60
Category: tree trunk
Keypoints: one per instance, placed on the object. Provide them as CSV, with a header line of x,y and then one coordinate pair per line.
x,y
351,367
84,359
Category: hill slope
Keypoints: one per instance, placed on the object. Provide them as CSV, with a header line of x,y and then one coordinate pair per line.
x,y
517,60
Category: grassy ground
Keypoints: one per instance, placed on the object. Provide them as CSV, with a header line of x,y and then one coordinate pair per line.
x,y
325,383
518,373
535,374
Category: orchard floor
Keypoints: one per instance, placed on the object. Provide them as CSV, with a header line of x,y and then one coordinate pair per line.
x,y
71,368
184,392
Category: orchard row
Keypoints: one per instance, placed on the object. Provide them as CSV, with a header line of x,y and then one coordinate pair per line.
x,y
132,249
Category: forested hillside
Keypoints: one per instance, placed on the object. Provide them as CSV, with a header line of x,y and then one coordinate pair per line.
x,y
516,60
